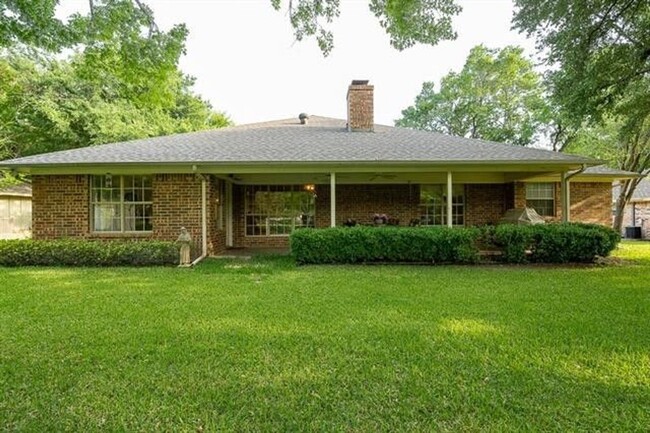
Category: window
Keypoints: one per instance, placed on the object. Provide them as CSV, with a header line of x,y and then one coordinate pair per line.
x,y
277,210
121,203
433,205
541,197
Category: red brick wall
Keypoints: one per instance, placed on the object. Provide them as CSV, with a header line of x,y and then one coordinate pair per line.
x,y
176,204
361,202
590,201
360,107
60,206
485,203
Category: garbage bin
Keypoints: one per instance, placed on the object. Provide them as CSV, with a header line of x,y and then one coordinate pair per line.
x,y
633,232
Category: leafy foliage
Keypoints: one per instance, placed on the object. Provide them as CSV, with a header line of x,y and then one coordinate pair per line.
x,y
33,23
385,244
68,252
57,105
497,96
407,22
555,243
122,83
624,144
547,243
599,51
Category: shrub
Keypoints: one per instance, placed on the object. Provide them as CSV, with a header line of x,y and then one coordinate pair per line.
x,y
572,243
68,252
555,243
513,241
385,244
547,243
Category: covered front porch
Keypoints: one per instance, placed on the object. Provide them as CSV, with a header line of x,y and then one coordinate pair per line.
x,y
260,210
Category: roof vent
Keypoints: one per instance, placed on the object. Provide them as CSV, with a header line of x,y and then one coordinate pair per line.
x,y
303,118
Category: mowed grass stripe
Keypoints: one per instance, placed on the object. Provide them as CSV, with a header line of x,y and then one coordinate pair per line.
x,y
266,346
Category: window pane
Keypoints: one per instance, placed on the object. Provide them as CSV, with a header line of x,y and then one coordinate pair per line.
x,y
107,218
433,204
544,190
108,198
276,210
542,207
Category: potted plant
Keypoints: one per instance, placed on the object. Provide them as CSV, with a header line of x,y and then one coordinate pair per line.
x,y
380,219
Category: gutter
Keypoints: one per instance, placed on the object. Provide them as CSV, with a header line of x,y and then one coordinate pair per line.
x,y
204,222
575,173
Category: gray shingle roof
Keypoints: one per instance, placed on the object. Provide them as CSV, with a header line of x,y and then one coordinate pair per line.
x,y
603,170
641,192
285,141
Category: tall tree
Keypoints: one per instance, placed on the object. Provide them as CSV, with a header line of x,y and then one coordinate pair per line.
x,y
496,96
52,105
622,146
122,83
596,50
598,54
407,22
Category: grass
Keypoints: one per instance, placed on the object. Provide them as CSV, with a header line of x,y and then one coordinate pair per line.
x,y
265,346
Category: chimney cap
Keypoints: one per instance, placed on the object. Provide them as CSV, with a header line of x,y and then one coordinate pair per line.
x,y
360,82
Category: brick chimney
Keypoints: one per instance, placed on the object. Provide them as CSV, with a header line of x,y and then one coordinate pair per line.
x,y
360,106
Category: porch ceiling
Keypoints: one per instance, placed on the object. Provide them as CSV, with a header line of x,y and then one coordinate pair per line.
x,y
380,177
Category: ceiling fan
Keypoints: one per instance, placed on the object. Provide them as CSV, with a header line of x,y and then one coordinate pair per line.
x,y
382,176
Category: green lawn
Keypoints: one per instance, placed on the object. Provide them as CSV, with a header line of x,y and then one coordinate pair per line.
x,y
265,346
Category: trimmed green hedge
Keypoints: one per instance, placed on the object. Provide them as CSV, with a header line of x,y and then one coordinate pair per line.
x,y
555,243
546,243
385,244
69,252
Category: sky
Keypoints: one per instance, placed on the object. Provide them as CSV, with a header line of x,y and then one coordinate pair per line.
x,y
248,64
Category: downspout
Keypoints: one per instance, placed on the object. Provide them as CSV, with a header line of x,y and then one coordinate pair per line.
x,y
566,195
580,170
204,222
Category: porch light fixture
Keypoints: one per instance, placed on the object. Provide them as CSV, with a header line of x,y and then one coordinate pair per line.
x,y
108,180
310,188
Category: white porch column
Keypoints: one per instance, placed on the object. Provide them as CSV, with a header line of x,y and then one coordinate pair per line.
x,y
566,198
229,222
332,199
449,200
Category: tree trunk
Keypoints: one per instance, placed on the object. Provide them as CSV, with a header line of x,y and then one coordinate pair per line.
x,y
624,196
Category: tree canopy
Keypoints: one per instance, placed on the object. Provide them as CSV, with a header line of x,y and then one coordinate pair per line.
x,y
52,105
407,22
597,51
121,83
496,96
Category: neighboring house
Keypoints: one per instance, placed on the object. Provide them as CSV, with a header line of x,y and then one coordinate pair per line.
x,y
252,185
637,212
15,211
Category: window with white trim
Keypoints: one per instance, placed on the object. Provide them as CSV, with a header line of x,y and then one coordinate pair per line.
x,y
541,197
433,205
277,210
121,204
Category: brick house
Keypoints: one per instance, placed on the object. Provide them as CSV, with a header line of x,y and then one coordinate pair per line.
x,y
252,185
